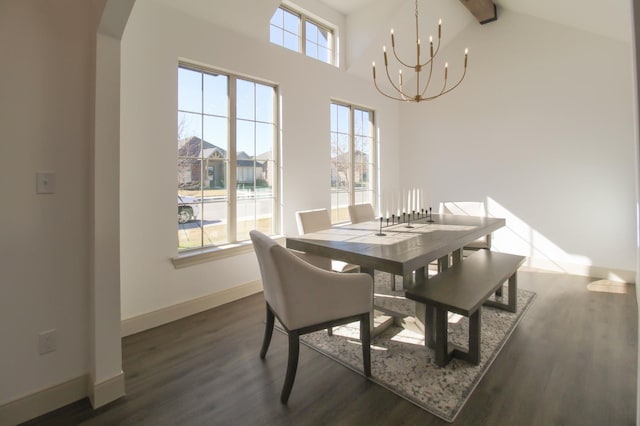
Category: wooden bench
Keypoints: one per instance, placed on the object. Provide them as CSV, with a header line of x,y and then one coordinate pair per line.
x,y
463,289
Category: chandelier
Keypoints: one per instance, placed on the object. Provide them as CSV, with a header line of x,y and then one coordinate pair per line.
x,y
421,92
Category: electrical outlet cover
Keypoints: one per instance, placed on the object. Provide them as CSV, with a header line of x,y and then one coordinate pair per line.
x,y
47,342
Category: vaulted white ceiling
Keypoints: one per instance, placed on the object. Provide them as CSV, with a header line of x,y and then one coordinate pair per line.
x,y
367,22
609,18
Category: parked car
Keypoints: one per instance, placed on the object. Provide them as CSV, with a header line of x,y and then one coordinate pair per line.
x,y
188,208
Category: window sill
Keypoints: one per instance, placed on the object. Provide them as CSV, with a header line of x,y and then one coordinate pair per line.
x,y
210,254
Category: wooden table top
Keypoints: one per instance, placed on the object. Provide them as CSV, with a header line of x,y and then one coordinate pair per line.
x,y
401,250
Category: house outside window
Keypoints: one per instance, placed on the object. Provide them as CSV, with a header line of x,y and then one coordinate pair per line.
x,y
226,168
352,159
303,34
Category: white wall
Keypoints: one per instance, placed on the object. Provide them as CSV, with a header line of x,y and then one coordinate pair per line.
x,y
47,50
154,40
635,26
542,130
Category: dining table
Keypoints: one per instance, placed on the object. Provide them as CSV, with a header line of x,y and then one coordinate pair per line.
x,y
404,246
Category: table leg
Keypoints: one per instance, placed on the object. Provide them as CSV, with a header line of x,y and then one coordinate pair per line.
x,y
372,321
418,278
456,256
443,263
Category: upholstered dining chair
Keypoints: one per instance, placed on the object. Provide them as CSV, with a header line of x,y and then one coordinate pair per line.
x,y
318,220
305,298
361,213
468,208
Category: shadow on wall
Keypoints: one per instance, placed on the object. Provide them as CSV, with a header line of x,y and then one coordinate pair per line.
x,y
518,237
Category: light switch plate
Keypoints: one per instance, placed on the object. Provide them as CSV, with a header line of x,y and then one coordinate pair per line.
x,y
45,183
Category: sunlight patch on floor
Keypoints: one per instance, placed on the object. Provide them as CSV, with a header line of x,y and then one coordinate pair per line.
x,y
410,337
608,286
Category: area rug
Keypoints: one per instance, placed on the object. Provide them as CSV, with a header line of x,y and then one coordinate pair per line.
x,y
402,363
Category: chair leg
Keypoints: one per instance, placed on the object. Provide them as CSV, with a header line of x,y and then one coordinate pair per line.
x,y
268,332
365,339
292,365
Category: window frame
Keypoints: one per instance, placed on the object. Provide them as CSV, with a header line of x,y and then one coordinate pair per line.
x,y
303,18
233,246
373,179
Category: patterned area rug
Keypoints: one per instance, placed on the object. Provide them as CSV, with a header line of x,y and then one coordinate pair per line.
x,y
402,363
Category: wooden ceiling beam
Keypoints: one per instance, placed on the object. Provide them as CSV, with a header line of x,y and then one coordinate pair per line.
x,y
484,10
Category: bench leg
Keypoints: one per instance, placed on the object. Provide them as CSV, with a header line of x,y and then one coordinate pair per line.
x,y
430,330
441,338
499,292
472,355
512,288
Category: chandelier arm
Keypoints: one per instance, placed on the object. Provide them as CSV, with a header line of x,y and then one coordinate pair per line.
x,y
448,90
426,87
399,90
393,49
388,96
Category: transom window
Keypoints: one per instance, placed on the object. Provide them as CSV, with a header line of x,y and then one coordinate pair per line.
x,y
289,29
226,170
353,159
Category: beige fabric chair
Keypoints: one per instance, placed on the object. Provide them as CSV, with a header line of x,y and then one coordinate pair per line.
x,y
468,208
361,213
318,220
305,299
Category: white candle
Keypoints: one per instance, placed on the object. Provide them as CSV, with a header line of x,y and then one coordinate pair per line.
x,y
386,204
414,199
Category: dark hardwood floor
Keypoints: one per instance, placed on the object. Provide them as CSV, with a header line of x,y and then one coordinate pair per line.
x,y
571,361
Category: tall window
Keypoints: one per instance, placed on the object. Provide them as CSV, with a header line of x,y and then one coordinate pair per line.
x,y
352,159
289,29
227,172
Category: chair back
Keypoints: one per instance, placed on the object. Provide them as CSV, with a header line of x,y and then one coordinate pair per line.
x,y
313,220
466,208
264,246
361,213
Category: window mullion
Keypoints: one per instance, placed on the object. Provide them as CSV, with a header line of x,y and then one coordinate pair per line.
x,y
352,165
303,35
201,220
232,178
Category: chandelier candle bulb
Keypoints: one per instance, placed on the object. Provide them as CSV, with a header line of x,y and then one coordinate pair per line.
x,y
439,29
393,40
466,54
373,64
446,68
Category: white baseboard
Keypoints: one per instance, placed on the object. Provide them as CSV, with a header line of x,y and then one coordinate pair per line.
x,y
106,391
44,401
171,313
612,274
